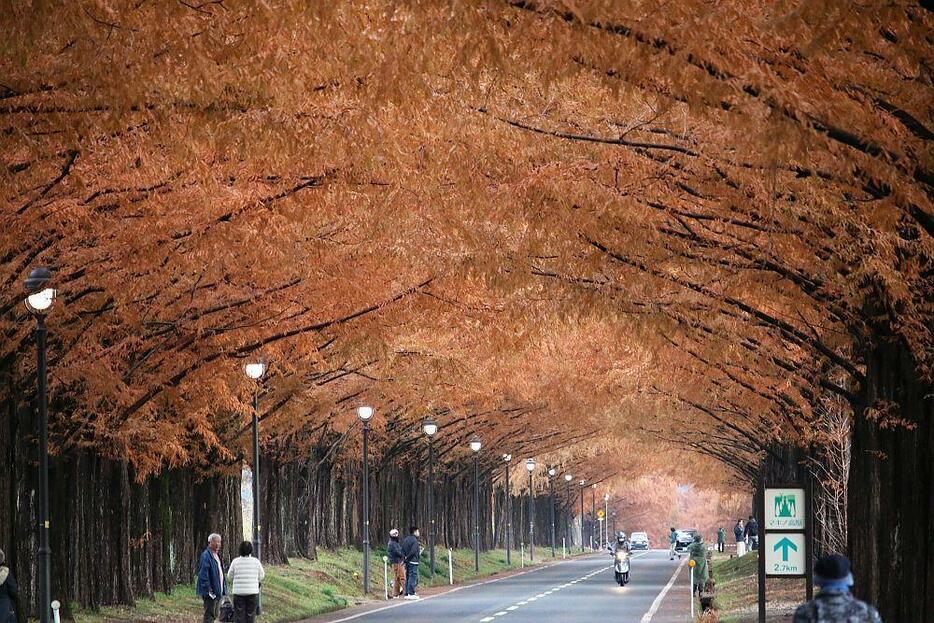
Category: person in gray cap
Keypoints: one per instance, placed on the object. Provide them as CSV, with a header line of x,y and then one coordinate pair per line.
x,y
834,602
397,561
10,608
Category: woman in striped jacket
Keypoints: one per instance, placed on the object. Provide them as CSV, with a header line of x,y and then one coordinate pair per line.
x,y
246,575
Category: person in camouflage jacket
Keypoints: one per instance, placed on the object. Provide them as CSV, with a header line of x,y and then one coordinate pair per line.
x,y
835,603
698,552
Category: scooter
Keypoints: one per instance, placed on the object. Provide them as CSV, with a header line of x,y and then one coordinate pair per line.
x,y
621,567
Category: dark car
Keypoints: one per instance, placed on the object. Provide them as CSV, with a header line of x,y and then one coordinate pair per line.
x,y
685,538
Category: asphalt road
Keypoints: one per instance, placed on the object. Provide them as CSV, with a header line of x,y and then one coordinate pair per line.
x,y
580,589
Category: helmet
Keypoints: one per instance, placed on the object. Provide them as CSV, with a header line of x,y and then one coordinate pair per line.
x,y
620,536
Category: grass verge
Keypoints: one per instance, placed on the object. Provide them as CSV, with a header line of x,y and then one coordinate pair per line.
x,y
305,588
737,591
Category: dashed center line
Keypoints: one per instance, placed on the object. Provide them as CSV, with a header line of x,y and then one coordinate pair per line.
x,y
541,595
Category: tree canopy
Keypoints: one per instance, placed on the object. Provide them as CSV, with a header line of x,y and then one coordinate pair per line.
x,y
547,222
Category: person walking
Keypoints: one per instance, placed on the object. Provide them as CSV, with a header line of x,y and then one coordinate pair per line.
x,y
397,560
721,539
246,575
672,544
211,586
11,610
738,532
752,533
411,552
834,602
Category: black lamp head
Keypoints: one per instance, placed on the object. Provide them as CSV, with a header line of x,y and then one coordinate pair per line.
x,y
38,279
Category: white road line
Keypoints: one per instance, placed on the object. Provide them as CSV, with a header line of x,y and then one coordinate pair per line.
x,y
452,590
647,617
543,595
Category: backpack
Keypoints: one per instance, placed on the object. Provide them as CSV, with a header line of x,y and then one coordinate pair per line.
x,y
226,614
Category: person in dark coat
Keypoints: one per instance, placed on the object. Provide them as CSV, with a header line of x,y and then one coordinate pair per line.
x,y
835,602
752,532
211,586
411,552
397,561
10,609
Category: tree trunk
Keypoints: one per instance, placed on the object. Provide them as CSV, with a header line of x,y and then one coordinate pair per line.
x,y
891,505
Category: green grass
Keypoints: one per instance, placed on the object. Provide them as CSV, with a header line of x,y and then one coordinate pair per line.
x,y
737,590
736,583
305,588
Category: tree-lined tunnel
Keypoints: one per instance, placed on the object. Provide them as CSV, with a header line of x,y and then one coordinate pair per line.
x,y
637,242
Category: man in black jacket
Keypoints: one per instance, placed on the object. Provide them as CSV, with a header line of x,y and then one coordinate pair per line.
x,y
752,532
411,552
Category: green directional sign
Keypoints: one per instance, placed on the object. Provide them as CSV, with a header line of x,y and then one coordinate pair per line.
x,y
784,509
784,545
784,553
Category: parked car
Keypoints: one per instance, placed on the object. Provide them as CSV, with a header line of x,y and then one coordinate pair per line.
x,y
639,540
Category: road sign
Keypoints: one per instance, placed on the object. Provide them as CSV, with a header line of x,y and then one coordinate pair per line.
x,y
784,509
785,554
600,514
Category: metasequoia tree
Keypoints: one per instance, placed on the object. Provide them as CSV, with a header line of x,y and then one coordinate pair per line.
x,y
543,222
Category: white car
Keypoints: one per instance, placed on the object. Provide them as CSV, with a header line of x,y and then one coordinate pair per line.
x,y
639,540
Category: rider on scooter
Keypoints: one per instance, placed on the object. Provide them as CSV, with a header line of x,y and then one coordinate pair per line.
x,y
621,559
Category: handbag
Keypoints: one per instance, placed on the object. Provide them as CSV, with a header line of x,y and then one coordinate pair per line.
x,y
226,614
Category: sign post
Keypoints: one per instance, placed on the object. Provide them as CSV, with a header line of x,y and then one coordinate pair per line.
x,y
785,545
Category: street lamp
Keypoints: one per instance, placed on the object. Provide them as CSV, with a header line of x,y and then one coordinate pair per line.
x,y
366,414
430,428
530,466
606,517
593,513
39,301
567,525
506,459
255,371
582,483
552,472
475,445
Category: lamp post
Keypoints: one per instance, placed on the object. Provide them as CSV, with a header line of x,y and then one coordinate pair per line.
x,y
506,459
366,414
582,483
593,513
475,445
39,301
430,427
606,518
567,526
552,472
255,371
530,466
